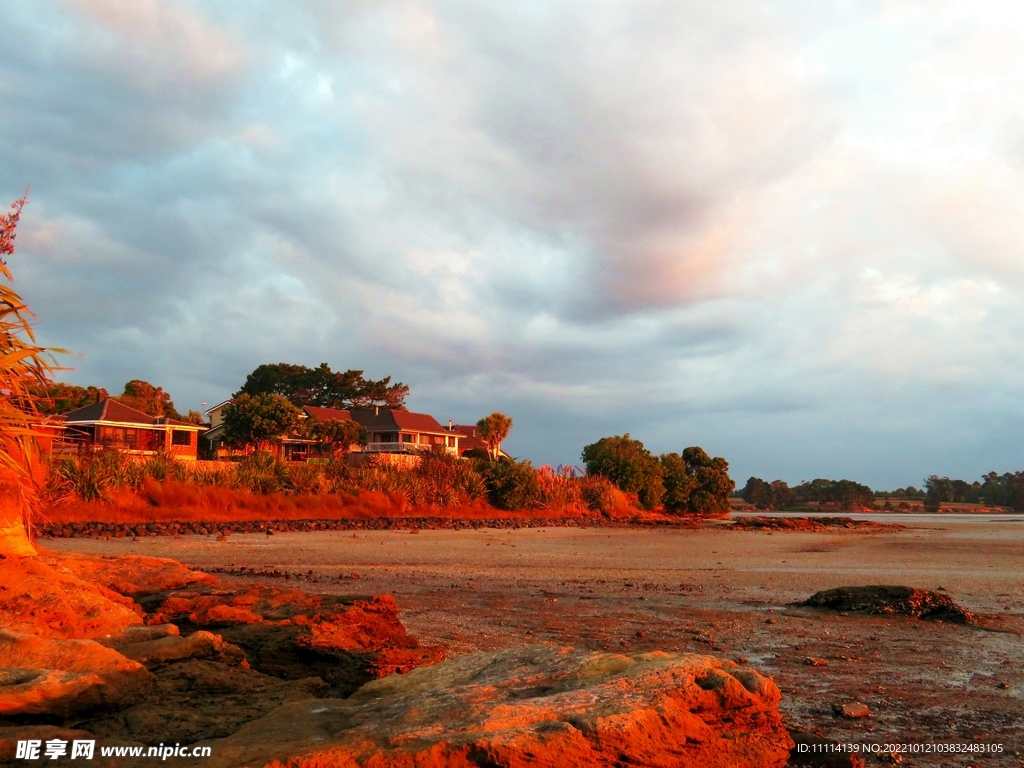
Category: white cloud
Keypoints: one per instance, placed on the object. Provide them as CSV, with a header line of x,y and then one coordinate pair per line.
x,y
724,223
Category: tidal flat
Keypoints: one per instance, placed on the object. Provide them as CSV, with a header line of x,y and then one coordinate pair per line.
x,y
711,591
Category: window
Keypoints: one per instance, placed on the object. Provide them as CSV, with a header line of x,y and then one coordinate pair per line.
x,y
181,437
407,439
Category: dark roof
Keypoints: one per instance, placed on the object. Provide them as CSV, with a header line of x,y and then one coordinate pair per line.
x,y
109,410
326,414
388,420
469,430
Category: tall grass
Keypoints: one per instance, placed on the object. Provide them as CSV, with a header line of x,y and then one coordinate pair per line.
x,y
261,485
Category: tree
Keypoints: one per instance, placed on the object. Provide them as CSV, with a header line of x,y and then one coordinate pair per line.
x,y
341,435
57,397
152,401
759,493
629,465
323,387
510,484
695,482
493,430
260,421
25,369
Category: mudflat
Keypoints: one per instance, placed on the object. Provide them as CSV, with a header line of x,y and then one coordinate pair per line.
x,y
717,591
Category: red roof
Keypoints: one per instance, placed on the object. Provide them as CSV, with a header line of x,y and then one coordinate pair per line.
x,y
388,420
326,414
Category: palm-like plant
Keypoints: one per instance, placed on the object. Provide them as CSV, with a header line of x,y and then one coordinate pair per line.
x,y
25,370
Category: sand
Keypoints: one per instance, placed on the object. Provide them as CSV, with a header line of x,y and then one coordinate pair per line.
x,y
710,591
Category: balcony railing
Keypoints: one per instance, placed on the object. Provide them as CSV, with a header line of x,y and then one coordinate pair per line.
x,y
403,448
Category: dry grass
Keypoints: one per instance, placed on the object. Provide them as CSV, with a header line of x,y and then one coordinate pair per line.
x,y
175,501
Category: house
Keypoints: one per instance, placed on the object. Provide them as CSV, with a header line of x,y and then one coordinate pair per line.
x,y
470,439
387,430
112,424
393,431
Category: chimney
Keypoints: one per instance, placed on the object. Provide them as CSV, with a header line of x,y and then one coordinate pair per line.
x,y
450,425
376,410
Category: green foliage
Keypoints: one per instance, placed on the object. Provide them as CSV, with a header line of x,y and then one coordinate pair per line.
x,y
341,435
511,484
323,387
844,494
493,430
695,482
60,398
153,401
262,472
259,420
763,495
629,465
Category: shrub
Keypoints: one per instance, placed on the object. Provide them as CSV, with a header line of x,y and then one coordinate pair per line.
x,y
627,464
510,484
261,472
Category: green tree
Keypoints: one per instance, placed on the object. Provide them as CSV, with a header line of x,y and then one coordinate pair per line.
x,y
340,434
152,401
60,398
629,465
493,430
260,421
695,482
759,493
25,369
323,387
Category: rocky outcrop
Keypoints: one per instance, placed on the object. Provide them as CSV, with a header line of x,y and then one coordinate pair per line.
x,y
532,706
56,676
291,634
892,601
128,575
811,524
40,596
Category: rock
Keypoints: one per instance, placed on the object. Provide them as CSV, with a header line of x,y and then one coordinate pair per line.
x,y
346,641
535,706
129,575
171,648
851,710
891,600
812,662
38,595
54,676
199,699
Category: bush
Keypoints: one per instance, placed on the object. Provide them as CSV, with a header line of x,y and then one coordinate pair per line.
x,y
261,472
510,484
629,465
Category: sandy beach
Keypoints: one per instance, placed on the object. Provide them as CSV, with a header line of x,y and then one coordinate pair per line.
x,y
711,591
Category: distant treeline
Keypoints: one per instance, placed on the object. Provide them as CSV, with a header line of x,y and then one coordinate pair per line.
x,y
994,490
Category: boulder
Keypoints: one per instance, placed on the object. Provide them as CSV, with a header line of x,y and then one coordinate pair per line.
x,y
891,600
55,676
535,706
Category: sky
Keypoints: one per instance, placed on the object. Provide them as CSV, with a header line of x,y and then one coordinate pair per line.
x,y
787,231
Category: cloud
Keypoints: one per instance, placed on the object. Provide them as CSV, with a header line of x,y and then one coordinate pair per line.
x,y
785,231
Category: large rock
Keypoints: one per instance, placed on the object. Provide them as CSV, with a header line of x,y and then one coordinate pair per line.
x,y
56,677
891,600
129,575
291,634
541,707
41,596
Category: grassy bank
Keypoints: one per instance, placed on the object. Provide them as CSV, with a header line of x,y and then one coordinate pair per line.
x,y
109,487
